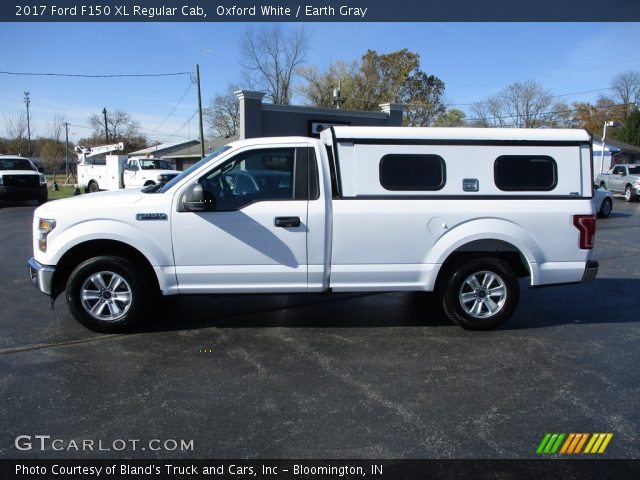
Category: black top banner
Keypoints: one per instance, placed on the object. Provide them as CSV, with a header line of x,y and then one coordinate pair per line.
x,y
320,11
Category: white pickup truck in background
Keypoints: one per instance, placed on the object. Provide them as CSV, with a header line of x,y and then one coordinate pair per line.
x,y
462,212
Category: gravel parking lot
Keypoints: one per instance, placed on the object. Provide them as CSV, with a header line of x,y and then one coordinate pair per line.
x,y
350,376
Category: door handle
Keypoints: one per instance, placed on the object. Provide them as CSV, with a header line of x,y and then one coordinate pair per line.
x,y
287,222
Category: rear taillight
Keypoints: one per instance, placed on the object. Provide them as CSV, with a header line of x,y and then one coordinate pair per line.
x,y
586,224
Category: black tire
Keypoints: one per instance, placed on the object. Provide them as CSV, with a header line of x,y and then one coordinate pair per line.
x,y
93,187
629,194
605,208
476,313
108,301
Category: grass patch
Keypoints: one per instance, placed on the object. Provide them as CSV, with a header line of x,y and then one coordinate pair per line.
x,y
63,192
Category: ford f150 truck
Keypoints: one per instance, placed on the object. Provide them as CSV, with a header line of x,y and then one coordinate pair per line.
x,y
21,180
462,212
623,179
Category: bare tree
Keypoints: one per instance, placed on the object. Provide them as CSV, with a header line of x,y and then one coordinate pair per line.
x,y
122,128
270,58
16,128
223,114
53,148
626,88
523,105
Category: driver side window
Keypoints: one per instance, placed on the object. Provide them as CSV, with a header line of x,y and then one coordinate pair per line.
x,y
252,176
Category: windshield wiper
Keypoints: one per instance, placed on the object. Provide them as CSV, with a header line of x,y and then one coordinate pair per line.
x,y
152,188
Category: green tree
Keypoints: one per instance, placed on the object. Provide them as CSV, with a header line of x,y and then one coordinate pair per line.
x,y
630,132
378,78
591,117
451,118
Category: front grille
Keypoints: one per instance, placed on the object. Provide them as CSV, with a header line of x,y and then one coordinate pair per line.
x,y
21,180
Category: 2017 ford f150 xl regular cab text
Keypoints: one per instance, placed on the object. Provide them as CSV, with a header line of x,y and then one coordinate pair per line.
x,y
462,212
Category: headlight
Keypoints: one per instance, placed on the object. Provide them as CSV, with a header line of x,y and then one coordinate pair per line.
x,y
45,225
43,180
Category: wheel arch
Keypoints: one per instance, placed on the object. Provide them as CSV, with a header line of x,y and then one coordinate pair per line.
x,y
486,238
92,248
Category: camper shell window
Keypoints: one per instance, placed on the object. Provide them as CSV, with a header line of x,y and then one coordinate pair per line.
x,y
522,173
412,172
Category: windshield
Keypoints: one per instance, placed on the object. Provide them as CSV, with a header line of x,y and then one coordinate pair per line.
x,y
15,164
155,164
167,186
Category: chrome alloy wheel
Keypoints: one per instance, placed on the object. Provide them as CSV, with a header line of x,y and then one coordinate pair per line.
x,y
482,294
106,296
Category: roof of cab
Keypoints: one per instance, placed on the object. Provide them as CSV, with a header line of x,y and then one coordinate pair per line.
x,y
456,134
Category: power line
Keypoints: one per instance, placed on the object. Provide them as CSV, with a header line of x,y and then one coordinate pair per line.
x,y
553,96
82,75
184,124
174,108
542,114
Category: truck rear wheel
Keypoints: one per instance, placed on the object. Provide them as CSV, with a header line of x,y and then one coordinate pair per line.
x,y
107,294
93,187
480,294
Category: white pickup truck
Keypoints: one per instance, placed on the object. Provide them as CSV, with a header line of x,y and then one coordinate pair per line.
x,y
462,212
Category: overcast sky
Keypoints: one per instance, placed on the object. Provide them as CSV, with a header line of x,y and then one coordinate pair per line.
x,y
473,60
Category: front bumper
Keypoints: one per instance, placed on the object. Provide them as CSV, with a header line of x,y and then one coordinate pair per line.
x,y
23,193
41,276
590,271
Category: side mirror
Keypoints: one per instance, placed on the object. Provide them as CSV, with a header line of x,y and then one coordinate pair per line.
x,y
193,199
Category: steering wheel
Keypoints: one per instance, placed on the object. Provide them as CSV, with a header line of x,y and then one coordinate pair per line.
x,y
223,190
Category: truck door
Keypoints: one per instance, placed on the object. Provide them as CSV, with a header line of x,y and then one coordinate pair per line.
x,y
131,174
252,236
616,179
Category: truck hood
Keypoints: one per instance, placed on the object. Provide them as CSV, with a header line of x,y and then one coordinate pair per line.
x,y
19,172
97,202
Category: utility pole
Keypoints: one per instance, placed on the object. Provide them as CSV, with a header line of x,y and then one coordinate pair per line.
x,y
66,151
27,101
106,129
200,111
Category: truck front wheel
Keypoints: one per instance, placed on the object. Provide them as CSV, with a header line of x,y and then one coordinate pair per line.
x,y
107,294
480,294
629,194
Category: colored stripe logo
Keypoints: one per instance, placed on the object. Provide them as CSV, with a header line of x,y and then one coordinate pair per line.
x,y
574,443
